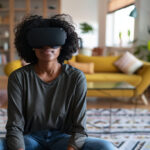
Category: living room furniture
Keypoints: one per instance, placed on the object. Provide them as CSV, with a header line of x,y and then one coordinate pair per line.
x,y
3,91
106,71
109,86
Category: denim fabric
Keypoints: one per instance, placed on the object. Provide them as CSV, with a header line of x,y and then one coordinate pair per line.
x,y
56,140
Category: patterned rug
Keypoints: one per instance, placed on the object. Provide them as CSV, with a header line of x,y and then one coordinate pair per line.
x,y
128,129
3,120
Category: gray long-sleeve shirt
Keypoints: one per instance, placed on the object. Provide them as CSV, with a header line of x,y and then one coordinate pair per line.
x,y
35,105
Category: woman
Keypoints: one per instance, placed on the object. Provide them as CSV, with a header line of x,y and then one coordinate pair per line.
x,y
47,98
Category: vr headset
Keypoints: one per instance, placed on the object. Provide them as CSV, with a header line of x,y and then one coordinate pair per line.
x,y
40,37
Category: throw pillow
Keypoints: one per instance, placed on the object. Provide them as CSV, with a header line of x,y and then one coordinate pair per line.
x,y
128,63
85,67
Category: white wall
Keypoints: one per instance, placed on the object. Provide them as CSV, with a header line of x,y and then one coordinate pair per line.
x,y
84,11
94,11
102,22
142,21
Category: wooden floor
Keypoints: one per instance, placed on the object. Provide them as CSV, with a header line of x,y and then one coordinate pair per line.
x,y
114,103
95,102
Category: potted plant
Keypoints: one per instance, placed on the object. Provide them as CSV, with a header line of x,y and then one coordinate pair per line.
x,y
85,28
143,51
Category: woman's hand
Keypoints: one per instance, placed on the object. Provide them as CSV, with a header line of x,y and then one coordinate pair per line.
x,y
70,148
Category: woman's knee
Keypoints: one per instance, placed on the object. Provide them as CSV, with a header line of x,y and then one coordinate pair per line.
x,y
3,144
31,144
97,144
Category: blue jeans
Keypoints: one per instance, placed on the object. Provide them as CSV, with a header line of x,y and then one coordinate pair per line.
x,y
56,140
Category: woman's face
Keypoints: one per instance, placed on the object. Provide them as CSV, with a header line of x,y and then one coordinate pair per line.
x,y
47,53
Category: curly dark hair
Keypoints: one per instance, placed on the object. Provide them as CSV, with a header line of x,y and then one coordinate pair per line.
x,y
60,20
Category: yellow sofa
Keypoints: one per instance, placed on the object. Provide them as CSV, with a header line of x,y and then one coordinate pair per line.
x,y
105,71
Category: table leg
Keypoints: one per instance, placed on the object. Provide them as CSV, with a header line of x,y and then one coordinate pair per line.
x,y
144,99
110,116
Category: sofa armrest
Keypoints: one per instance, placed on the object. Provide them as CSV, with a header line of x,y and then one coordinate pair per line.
x,y
144,72
3,91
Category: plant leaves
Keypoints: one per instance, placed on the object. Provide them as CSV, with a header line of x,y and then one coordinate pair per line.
x,y
85,27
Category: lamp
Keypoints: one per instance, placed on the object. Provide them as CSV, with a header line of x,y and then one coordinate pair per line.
x,y
133,13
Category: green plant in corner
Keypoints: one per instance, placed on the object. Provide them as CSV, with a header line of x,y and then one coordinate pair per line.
x,y
129,34
86,28
143,51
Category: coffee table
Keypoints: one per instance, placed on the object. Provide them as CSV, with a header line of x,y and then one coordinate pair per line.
x,y
110,89
109,85
105,88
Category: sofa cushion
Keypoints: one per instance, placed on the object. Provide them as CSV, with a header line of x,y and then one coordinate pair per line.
x,y
128,63
101,77
85,67
12,66
101,63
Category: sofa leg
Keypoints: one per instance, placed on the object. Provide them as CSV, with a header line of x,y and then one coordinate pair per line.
x,y
144,99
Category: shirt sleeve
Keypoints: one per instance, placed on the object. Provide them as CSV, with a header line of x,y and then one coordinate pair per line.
x,y
15,123
79,134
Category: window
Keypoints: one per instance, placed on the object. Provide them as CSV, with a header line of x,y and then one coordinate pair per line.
x,y
120,23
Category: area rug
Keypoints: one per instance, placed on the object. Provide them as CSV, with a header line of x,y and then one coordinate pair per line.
x,y
3,120
127,129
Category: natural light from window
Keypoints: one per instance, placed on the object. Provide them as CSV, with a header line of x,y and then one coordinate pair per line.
x,y
120,27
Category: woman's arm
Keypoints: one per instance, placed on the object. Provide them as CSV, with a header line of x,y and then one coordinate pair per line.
x,y
15,123
78,130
